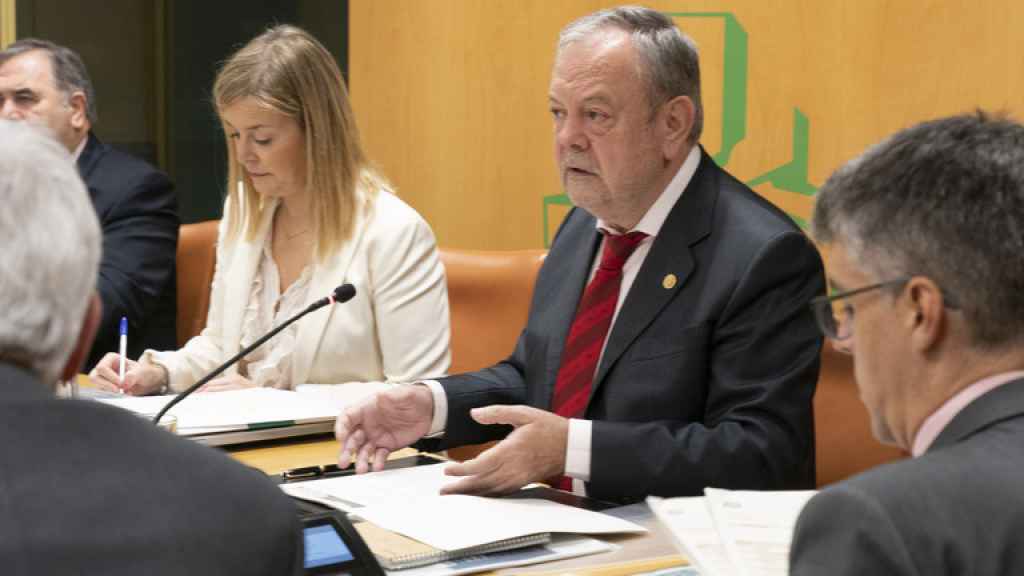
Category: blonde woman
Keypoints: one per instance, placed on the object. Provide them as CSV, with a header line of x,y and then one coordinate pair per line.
x,y
305,212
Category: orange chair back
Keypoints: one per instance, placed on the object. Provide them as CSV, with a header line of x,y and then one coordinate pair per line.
x,y
489,297
196,259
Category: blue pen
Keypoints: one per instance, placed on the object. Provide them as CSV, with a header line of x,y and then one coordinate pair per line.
x,y
123,350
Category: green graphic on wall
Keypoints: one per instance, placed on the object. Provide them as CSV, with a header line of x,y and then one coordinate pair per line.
x,y
790,177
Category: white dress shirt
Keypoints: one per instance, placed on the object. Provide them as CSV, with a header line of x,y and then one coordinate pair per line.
x,y
578,446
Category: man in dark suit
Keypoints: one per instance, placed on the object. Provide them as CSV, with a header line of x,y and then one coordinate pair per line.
x,y
49,85
924,236
89,488
668,345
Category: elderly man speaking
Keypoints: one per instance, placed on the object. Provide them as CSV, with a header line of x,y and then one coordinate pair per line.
x,y
668,345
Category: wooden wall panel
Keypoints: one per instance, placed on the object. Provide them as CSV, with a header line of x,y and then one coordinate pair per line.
x,y
451,94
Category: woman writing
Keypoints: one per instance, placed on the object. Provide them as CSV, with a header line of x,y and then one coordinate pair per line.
x,y
305,213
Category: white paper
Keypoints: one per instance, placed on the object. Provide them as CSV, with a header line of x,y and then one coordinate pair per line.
x,y
734,532
456,521
405,486
205,412
757,527
693,529
408,501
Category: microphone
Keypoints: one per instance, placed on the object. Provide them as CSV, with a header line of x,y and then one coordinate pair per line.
x,y
340,295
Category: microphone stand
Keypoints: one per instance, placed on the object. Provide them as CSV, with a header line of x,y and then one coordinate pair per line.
x,y
342,293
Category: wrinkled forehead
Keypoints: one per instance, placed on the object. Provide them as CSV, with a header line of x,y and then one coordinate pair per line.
x,y
32,69
602,57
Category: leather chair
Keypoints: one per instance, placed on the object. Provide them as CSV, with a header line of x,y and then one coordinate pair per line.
x,y
196,259
842,428
489,297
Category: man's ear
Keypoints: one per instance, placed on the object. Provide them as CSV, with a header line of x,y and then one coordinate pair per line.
x,y
925,313
86,335
79,115
677,116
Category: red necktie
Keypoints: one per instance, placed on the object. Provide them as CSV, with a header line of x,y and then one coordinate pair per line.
x,y
589,330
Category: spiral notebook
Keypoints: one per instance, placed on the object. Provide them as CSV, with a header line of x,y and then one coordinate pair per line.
x,y
397,552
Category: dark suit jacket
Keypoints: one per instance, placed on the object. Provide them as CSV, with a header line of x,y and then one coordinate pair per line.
x,y
92,489
957,509
138,212
707,383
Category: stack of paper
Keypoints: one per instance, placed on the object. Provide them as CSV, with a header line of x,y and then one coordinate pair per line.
x,y
252,408
734,532
407,501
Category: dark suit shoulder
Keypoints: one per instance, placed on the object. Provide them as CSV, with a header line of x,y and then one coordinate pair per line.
x,y
955,510
153,503
112,166
740,206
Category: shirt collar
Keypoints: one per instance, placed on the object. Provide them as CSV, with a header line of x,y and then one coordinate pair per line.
x,y
656,215
934,424
81,146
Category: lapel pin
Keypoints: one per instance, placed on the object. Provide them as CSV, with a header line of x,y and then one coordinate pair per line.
x,y
669,282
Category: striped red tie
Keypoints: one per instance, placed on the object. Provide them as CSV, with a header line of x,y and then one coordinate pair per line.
x,y
589,330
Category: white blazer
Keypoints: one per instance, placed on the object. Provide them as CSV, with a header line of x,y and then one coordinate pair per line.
x,y
395,329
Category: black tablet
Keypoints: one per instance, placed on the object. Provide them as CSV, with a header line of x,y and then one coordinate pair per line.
x,y
332,546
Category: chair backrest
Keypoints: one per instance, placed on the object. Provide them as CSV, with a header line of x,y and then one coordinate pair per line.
x,y
489,297
196,259
842,428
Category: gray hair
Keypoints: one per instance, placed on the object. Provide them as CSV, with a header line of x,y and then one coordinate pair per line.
x,y
51,239
942,199
670,65
69,72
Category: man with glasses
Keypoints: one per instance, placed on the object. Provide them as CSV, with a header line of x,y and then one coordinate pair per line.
x,y
927,264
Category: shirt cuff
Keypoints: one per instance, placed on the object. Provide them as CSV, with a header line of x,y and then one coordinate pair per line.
x,y
577,453
440,418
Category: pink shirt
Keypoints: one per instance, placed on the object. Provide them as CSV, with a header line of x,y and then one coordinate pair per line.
x,y
934,424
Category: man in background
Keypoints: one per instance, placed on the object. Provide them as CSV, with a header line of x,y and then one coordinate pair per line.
x,y
49,85
89,488
668,346
925,241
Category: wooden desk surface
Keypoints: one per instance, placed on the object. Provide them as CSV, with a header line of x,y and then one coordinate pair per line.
x,y
276,456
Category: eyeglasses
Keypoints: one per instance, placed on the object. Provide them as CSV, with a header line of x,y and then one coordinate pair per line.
x,y
835,318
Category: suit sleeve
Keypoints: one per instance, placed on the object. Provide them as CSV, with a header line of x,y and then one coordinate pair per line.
x,y
140,240
762,367
843,531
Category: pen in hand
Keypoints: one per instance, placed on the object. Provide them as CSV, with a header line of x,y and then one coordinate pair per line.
x,y
123,351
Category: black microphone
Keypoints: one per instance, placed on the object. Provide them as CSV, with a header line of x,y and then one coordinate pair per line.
x,y
341,294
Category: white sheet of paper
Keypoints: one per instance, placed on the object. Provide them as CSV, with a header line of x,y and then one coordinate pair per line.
x,y
757,527
407,501
693,529
457,521
205,412
405,486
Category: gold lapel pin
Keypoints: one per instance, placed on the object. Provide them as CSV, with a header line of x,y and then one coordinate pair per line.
x,y
669,282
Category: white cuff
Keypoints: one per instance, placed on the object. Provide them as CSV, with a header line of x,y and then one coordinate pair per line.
x,y
577,453
440,418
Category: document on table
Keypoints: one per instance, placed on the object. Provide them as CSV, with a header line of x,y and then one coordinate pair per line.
x,y
407,501
252,408
749,533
